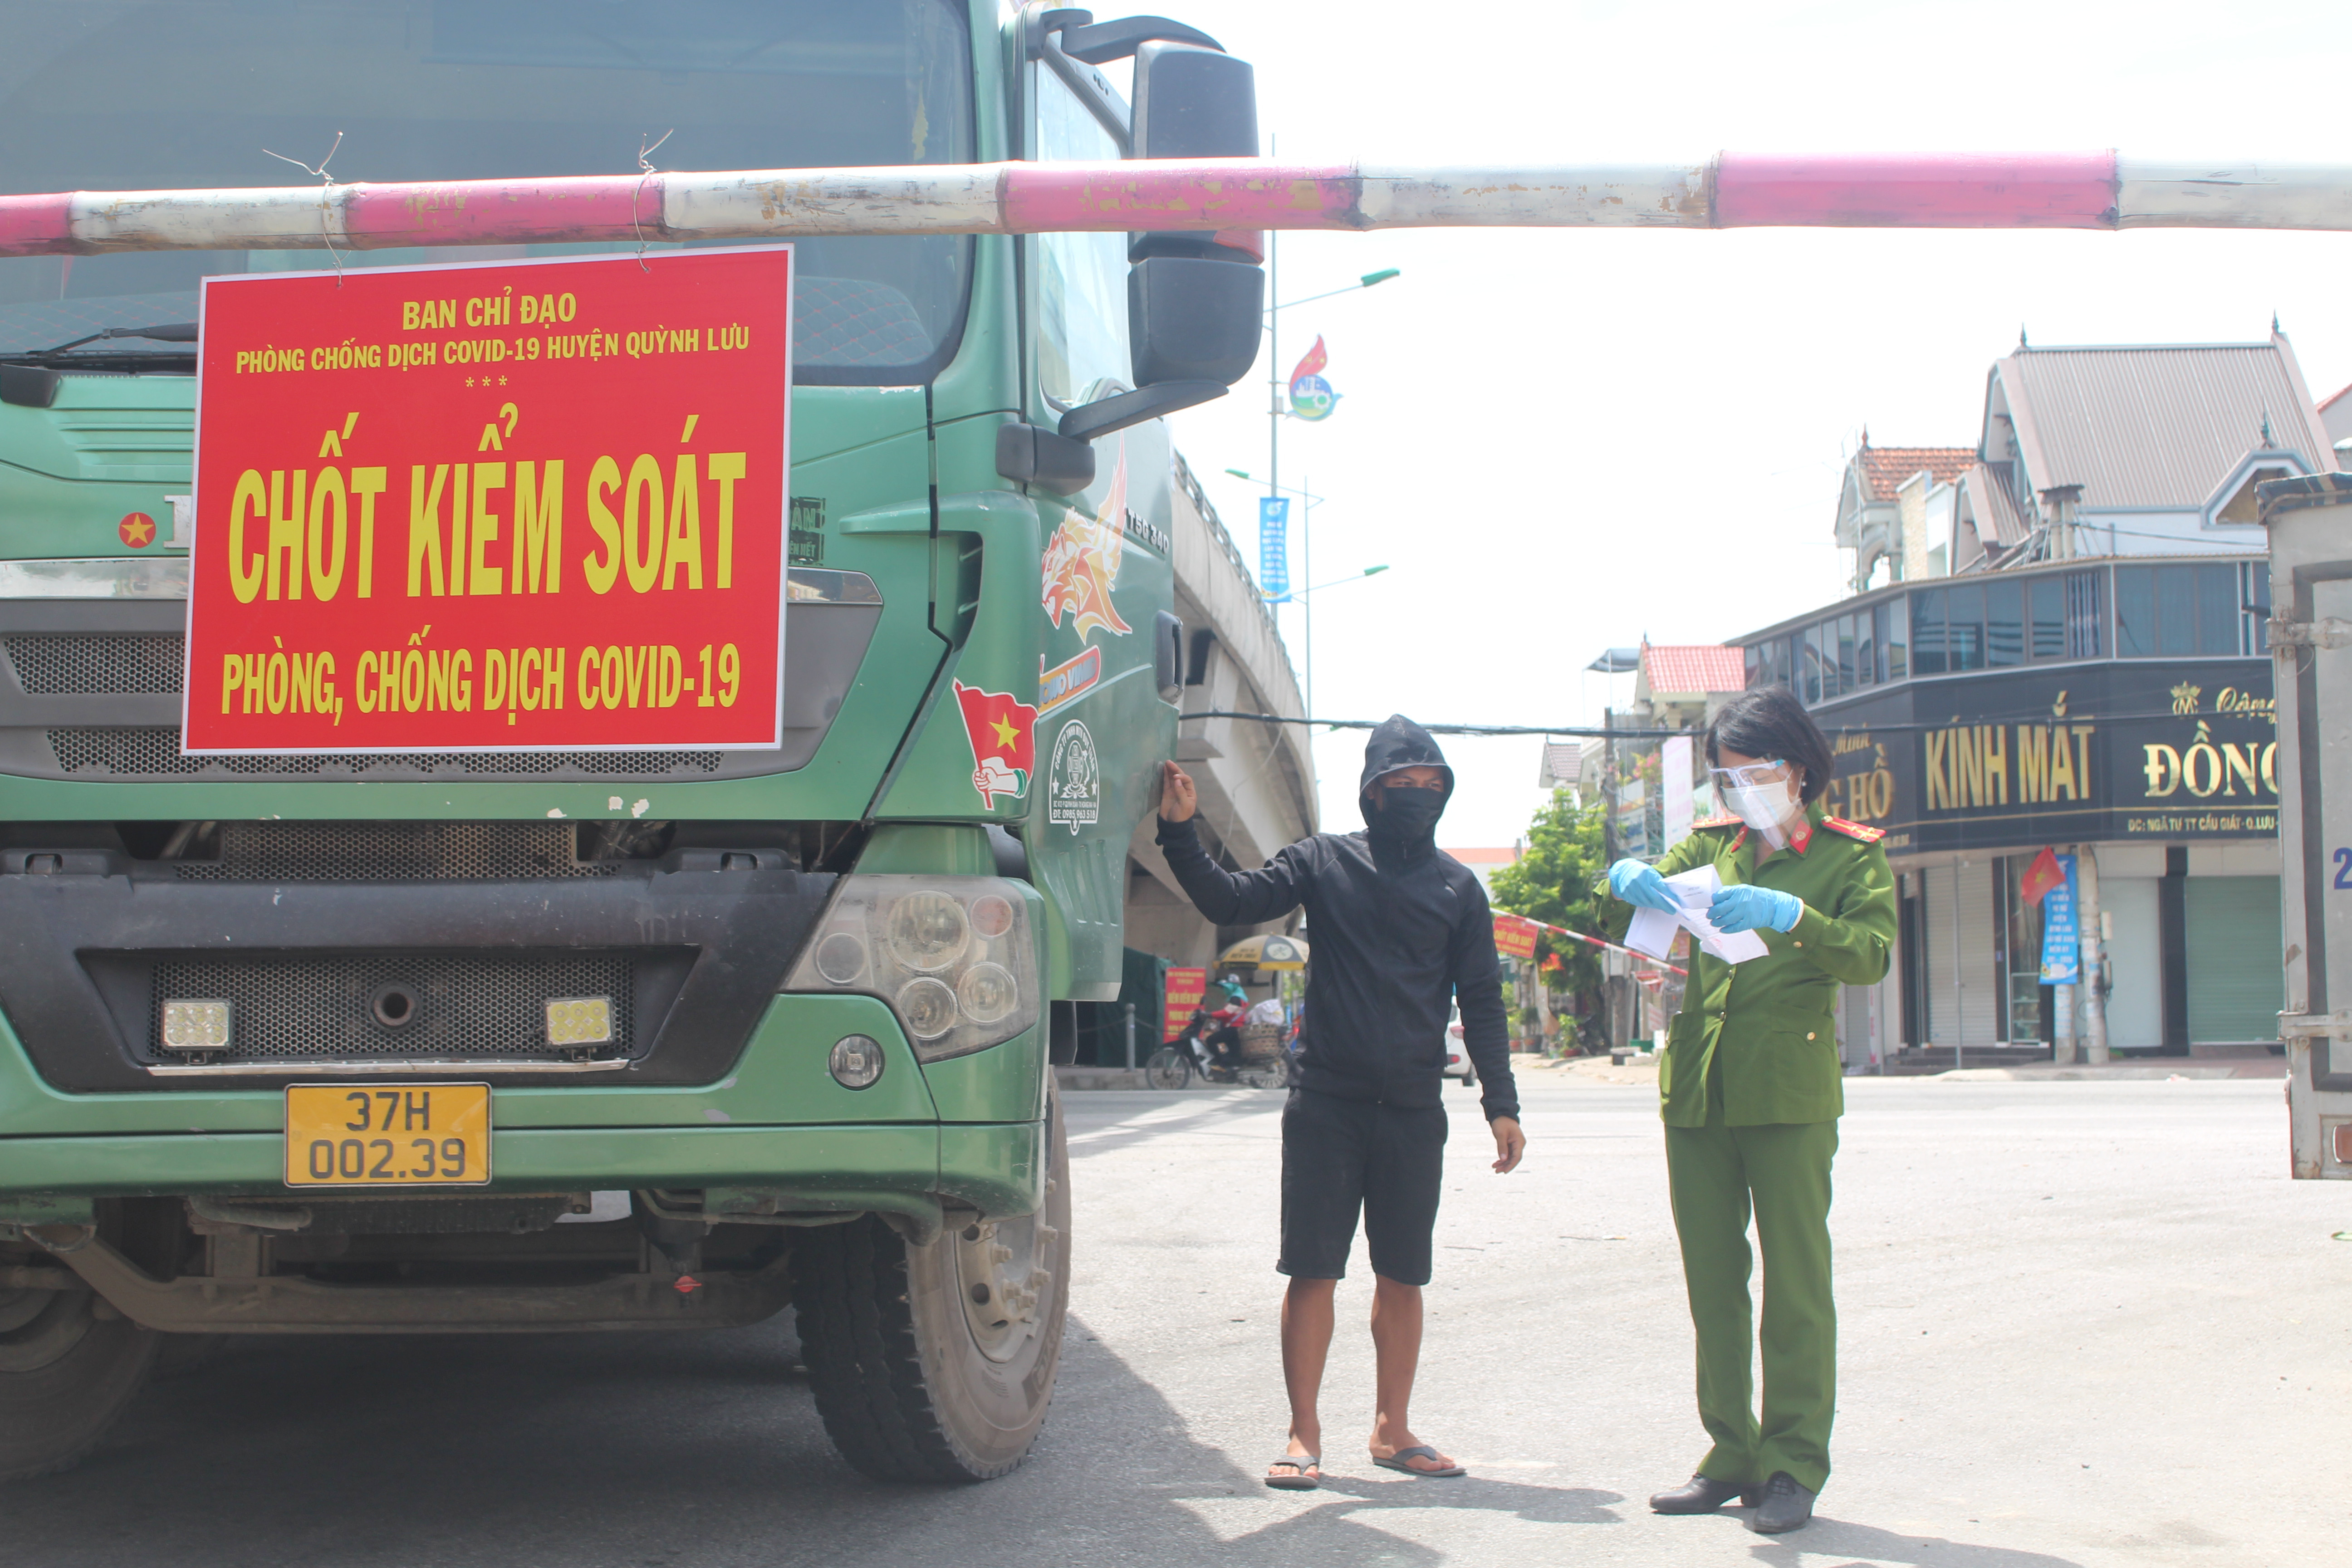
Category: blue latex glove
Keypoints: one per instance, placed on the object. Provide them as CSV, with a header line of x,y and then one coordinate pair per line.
x,y
1744,906
1638,884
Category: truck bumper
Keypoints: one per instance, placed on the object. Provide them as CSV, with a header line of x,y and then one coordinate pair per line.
x,y
910,1171
967,1133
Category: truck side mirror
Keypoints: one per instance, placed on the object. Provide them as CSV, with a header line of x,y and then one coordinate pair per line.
x,y
1196,301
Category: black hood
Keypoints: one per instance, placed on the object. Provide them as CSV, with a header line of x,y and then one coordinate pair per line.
x,y
1398,743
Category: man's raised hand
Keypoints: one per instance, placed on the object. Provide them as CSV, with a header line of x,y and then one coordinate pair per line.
x,y
1178,798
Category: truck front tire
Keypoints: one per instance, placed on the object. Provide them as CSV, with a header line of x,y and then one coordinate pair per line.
x,y
68,1368
936,1363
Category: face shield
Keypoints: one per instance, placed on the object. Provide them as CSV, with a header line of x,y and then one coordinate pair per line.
x,y
1765,795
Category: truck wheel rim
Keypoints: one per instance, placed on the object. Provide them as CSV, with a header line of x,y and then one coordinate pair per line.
x,y
1005,1270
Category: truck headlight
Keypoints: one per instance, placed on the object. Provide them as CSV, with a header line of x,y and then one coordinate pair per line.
x,y
951,955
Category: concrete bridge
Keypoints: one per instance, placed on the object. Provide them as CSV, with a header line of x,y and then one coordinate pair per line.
x,y
1256,781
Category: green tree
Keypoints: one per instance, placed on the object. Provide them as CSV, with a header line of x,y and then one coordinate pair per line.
x,y
1552,882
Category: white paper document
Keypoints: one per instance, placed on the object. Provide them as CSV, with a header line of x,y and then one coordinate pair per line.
x,y
1653,930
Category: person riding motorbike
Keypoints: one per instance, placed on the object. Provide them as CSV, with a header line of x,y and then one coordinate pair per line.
x,y
1220,1030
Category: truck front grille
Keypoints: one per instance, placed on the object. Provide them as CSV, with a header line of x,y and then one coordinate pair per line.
x,y
50,664
464,1006
394,852
153,752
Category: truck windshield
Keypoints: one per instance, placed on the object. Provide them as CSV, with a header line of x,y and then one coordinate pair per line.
x,y
160,94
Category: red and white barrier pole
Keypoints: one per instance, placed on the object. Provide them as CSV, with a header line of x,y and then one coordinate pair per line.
x,y
1927,190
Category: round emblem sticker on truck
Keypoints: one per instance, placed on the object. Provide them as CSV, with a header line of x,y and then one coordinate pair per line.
x,y
1074,783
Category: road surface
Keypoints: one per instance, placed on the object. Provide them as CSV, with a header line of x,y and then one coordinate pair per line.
x,y
2085,1324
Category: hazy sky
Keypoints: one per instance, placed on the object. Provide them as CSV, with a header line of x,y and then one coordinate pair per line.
x,y
1562,440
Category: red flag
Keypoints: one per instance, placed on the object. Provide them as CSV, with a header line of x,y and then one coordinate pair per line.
x,y
1312,361
2041,877
1003,746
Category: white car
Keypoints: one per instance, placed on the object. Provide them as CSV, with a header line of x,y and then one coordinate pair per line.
x,y
1457,1058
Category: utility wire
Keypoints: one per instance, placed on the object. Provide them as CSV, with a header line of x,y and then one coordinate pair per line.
x,y
1451,729
1830,723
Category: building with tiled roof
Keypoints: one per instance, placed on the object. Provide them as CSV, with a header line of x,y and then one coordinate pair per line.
x,y
1687,673
1679,685
2094,570
1562,766
1883,470
1892,501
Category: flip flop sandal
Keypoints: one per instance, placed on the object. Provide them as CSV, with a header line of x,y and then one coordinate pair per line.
x,y
1299,1480
1396,1461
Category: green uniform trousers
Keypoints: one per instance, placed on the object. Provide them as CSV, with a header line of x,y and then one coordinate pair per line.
x,y
1713,1171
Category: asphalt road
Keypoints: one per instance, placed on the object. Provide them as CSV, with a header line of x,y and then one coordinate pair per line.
x,y
2081,1324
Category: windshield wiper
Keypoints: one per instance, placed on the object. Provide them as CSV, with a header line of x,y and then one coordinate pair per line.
x,y
168,333
29,377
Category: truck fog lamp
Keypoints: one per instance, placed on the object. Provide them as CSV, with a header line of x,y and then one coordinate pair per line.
x,y
988,993
929,1007
841,958
927,931
856,1061
580,1021
992,915
192,1024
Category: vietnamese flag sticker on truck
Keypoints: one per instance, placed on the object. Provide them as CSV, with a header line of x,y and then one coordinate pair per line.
x,y
509,506
1002,731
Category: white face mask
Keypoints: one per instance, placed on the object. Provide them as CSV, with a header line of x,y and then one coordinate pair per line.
x,y
1766,806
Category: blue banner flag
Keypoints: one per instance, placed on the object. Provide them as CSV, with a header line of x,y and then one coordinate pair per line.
x,y
1274,547
2062,936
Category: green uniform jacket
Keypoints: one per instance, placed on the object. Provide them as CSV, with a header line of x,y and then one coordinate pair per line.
x,y
1771,1017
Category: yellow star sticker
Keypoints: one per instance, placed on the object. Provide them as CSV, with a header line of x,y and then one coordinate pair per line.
x,y
1005,734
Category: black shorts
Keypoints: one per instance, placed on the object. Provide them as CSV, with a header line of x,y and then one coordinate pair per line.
x,y
1342,1156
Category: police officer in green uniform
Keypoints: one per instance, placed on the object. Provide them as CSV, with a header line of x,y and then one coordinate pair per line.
x,y
1751,1092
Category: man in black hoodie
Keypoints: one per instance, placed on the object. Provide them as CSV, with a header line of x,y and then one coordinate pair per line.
x,y
1398,930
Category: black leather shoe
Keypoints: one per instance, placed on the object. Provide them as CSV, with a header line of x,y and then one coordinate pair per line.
x,y
1703,1494
1786,1506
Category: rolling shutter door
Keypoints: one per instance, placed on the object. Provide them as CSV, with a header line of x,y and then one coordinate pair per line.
x,y
2135,955
1936,954
1974,1006
2235,984
1980,1007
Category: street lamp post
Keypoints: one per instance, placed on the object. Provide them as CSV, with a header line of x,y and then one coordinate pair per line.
x,y
1274,417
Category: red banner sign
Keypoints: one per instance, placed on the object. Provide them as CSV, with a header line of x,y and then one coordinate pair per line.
x,y
1185,989
1514,936
518,505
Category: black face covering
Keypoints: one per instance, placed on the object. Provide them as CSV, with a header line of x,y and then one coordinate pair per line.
x,y
1408,813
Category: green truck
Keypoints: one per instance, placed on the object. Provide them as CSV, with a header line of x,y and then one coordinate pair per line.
x,y
725,1031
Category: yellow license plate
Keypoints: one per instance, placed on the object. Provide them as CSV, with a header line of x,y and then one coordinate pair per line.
x,y
381,1135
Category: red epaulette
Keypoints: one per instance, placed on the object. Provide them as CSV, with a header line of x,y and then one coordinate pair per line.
x,y
1853,829
1727,820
